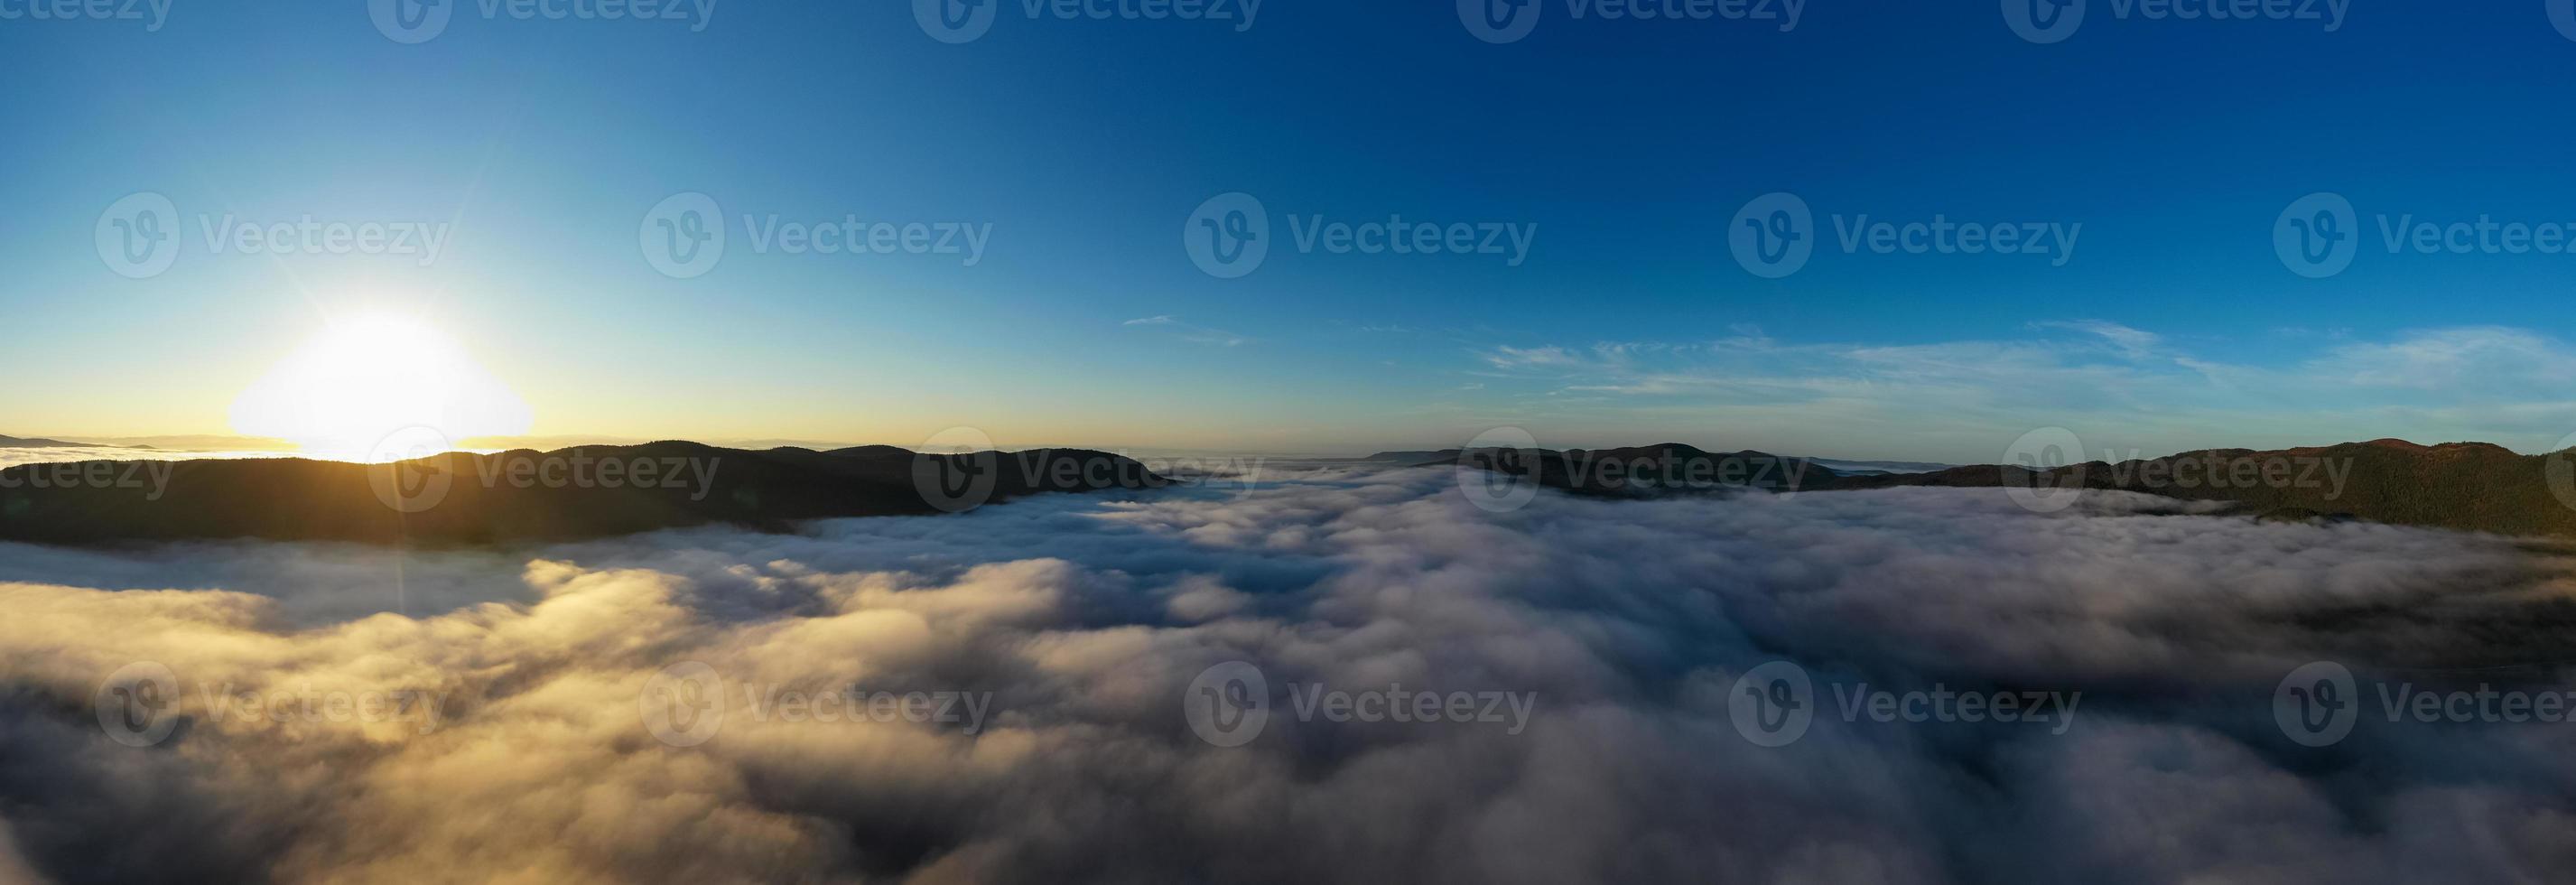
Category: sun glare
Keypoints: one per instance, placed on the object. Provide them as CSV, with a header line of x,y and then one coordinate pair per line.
x,y
376,388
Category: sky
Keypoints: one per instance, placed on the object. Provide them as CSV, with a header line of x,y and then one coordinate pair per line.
x,y
1082,175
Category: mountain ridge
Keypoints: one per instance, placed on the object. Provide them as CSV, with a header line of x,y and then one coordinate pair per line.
x,y
2468,486
460,498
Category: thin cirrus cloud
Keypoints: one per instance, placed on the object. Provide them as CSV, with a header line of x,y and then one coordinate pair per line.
x,y
1086,619
1190,333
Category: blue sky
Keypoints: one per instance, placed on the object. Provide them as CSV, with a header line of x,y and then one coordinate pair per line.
x,y
1623,149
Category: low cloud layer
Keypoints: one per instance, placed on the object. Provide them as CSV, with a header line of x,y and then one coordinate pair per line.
x,y
525,729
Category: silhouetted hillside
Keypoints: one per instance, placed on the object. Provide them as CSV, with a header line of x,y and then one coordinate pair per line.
x,y
461,498
1646,471
2467,486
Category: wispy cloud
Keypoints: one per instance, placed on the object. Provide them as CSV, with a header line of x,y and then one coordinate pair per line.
x,y
2128,386
1191,333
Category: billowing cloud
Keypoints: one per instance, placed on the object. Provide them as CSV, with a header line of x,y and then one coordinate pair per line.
x,y
542,714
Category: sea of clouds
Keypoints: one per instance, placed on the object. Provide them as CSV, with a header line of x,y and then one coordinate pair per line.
x,y
1084,621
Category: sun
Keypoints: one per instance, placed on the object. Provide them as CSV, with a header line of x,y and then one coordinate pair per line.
x,y
378,387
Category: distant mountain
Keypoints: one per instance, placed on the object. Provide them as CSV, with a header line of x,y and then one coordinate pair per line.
x,y
1406,457
525,495
201,443
2467,486
12,442
1854,468
2470,486
870,452
1427,456
1647,471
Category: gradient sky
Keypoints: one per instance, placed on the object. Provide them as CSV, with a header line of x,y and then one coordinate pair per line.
x,y
1087,145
